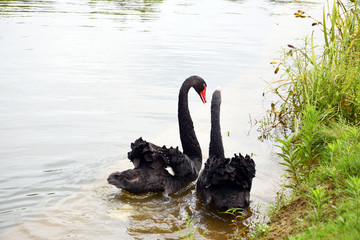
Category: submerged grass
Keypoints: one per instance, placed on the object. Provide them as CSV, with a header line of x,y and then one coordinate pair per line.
x,y
190,231
319,105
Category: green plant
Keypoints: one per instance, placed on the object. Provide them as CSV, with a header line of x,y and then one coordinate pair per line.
x,y
319,198
301,149
309,144
261,229
239,214
342,149
190,231
291,159
353,188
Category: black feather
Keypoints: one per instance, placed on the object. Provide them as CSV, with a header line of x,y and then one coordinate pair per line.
x,y
149,173
224,182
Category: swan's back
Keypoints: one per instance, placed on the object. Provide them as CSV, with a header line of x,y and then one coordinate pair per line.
x,y
150,174
226,182
144,154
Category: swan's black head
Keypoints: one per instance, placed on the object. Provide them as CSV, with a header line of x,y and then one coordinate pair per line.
x,y
216,97
199,85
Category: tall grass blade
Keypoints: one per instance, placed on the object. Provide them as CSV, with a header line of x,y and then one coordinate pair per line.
x,y
313,58
325,29
333,20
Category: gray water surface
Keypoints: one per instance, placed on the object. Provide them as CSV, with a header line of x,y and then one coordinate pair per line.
x,y
80,80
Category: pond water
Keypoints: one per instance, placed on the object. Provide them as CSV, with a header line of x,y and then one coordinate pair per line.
x,y
80,80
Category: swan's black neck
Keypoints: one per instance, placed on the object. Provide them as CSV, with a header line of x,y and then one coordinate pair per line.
x,y
216,148
190,144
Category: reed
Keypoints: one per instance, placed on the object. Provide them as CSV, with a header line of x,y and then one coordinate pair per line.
x,y
326,77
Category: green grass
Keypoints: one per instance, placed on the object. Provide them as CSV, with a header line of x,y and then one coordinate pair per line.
x,y
325,200
190,231
344,224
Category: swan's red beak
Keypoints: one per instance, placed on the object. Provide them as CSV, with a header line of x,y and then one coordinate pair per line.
x,y
203,95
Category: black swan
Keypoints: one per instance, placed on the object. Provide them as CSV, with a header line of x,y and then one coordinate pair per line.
x,y
150,161
224,182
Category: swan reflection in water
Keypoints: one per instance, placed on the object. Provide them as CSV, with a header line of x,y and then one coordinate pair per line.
x,y
156,216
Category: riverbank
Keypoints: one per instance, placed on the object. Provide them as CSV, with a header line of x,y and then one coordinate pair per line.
x,y
318,106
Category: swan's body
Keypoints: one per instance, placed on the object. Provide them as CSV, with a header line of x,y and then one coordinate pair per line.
x,y
224,182
150,161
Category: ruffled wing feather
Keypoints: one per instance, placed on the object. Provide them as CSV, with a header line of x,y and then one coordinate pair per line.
x,y
238,170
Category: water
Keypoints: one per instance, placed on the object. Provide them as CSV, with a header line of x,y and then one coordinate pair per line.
x,y
80,80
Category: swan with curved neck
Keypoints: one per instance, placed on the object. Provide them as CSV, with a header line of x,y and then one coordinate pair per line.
x,y
224,182
149,173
